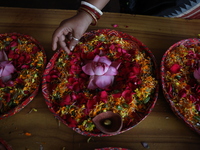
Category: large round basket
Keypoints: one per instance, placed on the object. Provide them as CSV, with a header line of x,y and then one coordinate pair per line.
x,y
28,59
179,85
116,46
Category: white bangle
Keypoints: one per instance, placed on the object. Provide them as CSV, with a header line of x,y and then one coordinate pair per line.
x,y
92,6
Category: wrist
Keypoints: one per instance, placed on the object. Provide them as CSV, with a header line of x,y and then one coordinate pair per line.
x,y
84,15
94,12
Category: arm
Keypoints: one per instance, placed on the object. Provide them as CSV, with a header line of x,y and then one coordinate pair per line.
x,y
74,27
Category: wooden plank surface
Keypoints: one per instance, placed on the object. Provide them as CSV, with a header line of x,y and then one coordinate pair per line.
x,y
161,129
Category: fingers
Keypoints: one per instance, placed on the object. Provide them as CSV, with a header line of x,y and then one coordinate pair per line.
x,y
65,39
54,42
55,38
59,36
63,43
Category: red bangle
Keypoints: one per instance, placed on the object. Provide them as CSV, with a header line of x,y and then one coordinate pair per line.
x,y
92,10
91,14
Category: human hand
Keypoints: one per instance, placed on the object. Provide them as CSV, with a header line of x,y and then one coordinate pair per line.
x,y
70,31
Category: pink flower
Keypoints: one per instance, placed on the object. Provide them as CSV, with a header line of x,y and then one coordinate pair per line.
x,y
101,71
6,68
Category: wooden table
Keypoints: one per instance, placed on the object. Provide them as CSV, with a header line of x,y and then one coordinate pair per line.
x,y
161,129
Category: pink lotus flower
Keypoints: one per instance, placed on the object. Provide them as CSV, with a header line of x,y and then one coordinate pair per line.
x,y
6,68
101,71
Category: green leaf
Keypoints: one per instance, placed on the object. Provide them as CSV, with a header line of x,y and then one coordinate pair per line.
x,y
67,57
13,48
146,100
19,41
178,77
90,127
119,107
125,105
116,91
102,39
197,118
90,47
10,103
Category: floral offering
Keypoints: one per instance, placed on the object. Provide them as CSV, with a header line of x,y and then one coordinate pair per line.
x,y
180,80
22,61
107,71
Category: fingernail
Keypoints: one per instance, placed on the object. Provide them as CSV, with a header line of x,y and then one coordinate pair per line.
x,y
72,48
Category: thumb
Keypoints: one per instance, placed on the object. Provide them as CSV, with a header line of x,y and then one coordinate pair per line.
x,y
73,43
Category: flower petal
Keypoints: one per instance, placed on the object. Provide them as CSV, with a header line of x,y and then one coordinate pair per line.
x,y
103,96
103,82
91,84
100,69
96,58
116,64
105,60
91,104
111,71
88,69
66,101
7,67
175,68
3,55
6,78
197,74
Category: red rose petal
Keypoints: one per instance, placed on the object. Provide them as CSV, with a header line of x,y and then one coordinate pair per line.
x,y
175,68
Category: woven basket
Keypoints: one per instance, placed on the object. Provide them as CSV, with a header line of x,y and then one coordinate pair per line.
x,y
24,101
187,43
139,116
